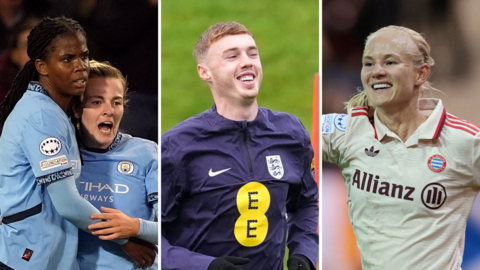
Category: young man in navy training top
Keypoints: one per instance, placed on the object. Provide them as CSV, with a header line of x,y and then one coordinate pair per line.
x,y
236,179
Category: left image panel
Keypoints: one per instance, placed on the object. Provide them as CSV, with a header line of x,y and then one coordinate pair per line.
x,y
79,134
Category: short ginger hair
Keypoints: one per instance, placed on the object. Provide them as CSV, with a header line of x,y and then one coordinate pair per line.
x,y
214,33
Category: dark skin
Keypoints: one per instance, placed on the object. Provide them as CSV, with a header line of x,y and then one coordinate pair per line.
x,y
64,74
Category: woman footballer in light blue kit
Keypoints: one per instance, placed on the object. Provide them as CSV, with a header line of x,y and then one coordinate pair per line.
x,y
119,172
39,159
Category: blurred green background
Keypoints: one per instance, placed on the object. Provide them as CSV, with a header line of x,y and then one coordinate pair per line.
x,y
286,33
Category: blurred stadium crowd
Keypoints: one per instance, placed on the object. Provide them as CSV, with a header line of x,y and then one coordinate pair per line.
x,y
450,28
123,32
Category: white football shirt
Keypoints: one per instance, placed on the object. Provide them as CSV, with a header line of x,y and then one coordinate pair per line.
x,y
408,201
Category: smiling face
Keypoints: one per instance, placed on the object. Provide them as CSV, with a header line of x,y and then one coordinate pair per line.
x,y
233,69
389,76
64,72
100,111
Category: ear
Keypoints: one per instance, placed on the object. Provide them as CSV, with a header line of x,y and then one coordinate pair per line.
x,y
204,72
41,67
422,74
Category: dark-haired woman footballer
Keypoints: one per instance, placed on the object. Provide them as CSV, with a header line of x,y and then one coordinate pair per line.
x,y
39,159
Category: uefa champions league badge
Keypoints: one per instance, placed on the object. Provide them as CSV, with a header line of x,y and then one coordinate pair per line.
x,y
50,146
125,167
275,167
437,163
341,122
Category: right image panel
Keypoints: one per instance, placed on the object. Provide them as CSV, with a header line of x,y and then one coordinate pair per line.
x,y
400,140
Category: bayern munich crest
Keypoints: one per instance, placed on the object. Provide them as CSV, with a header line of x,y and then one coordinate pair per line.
x,y
50,146
437,163
275,167
125,167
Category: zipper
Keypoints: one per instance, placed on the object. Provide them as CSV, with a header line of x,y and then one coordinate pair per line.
x,y
245,145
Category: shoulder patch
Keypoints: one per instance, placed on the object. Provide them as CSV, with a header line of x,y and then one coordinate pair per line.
x,y
341,122
327,123
50,146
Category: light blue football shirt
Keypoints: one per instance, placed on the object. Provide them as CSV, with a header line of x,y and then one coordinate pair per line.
x,y
124,177
37,146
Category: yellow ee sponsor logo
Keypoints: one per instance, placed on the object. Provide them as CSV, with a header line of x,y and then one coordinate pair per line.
x,y
251,227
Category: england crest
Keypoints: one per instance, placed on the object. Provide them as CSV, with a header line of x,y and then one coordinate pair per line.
x,y
275,167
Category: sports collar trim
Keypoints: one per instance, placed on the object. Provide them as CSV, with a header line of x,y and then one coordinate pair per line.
x,y
430,129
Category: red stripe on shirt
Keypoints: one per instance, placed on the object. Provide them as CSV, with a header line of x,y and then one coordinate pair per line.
x,y
465,121
440,124
460,122
461,128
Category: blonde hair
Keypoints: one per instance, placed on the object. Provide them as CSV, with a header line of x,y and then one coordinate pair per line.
x,y
419,57
106,70
214,33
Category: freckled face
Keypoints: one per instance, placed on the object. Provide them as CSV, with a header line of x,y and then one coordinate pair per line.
x,y
101,111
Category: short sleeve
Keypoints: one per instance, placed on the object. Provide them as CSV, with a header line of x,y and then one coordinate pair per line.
x,y
48,145
151,179
333,136
476,160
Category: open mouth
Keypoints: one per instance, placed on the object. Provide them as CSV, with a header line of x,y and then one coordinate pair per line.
x,y
105,127
381,86
80,82
246,78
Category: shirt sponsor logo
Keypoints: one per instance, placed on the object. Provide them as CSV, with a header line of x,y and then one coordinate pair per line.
x,y
98,187
53,163
371,183
341,122
54,176
97,198
434,195
50,146
437,163
89,191
327,123
125,167
275,166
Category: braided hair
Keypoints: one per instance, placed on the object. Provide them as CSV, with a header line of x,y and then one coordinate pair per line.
x,y
39,46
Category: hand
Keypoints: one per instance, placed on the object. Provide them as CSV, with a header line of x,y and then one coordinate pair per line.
x,y
115,225
228,263
142,252
299,262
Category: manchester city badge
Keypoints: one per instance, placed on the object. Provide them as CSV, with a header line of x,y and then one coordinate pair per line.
x,y
125,167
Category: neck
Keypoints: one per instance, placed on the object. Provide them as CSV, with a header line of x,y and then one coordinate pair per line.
x,y
62,100
238,112
403,120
